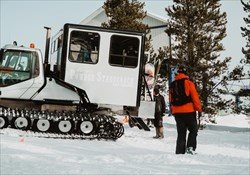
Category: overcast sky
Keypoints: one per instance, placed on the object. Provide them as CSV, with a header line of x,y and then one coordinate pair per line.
x,y
23,21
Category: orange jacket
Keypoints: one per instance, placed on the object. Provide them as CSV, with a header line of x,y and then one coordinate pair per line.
x,y
190,89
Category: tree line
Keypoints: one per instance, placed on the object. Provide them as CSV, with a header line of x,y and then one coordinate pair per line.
x,y
197,28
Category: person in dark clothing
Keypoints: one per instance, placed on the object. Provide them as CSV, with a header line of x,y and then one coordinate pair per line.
x,y
159,113
185,102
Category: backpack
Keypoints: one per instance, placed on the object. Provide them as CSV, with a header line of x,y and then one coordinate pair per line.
x,y
177,92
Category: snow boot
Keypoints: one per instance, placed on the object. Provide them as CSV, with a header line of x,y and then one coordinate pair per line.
x,y
161,135
191,151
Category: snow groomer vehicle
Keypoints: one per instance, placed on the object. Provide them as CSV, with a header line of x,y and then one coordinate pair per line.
x,y
69,92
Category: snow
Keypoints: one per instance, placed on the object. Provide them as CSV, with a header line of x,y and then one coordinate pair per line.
x,y
233,120
136,152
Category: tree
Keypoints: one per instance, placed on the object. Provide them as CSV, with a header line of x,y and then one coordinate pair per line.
x,y
246,33
126,15
238,71
198,27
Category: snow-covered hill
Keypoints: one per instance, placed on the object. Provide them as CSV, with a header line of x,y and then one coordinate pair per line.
x,y
219,152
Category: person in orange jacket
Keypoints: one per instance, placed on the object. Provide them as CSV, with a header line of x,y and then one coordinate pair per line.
x,y
185,101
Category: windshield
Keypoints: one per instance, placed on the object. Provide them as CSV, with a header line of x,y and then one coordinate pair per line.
x,y
16,66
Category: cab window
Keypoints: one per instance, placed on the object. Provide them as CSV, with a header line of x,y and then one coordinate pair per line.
x,y
124,51
84,47
16,66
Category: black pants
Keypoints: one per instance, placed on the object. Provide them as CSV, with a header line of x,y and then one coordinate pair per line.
x,y
184,122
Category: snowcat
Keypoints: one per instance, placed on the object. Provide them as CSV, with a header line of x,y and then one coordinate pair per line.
x,y
88,68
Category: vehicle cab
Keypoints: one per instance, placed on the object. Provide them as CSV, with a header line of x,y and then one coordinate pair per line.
x,y
21,71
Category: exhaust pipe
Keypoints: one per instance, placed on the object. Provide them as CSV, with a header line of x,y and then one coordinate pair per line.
x,y
46,56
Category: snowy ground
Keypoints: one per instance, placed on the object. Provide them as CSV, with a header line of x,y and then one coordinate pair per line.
x,y
136,152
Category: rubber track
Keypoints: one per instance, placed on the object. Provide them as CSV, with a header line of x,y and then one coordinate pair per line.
x,y
105,127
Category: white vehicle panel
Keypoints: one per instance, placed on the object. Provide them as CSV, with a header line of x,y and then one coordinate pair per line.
x,y
16,90
53,91
103,83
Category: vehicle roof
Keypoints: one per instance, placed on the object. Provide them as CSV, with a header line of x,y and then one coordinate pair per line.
x,y
97,28
13,47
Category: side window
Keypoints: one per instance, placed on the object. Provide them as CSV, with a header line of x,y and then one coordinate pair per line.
x,y
59,44
124,51
84,47
56,44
